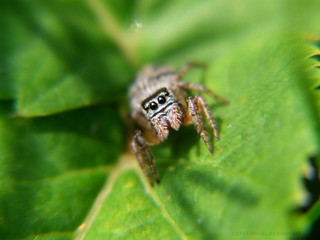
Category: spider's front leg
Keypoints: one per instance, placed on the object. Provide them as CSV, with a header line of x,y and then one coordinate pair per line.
x,y
196,105
144,156
194,86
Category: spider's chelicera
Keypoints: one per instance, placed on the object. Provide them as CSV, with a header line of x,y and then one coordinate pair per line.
x,y
160,103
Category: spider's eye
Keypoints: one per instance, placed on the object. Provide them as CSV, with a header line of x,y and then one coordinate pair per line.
x,y
161,100
153,105
166,93
145,107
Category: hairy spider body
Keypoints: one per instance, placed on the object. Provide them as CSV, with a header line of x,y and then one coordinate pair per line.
x,y
159,103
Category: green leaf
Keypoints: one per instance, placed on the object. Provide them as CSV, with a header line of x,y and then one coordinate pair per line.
x,y
57,56
51,169
254,176
136,200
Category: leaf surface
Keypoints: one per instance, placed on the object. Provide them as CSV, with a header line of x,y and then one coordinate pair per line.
x,y
64,72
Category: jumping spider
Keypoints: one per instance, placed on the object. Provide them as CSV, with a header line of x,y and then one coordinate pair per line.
x,y
159,103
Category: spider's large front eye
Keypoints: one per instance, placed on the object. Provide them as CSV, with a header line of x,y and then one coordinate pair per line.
x,y
153,105
166,93
161,100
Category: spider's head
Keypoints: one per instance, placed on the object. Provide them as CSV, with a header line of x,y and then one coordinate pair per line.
x,y
163,111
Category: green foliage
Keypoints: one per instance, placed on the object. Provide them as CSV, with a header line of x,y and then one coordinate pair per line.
x,y
65,67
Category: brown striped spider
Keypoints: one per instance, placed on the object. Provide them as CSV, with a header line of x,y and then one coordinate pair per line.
x,y
159,103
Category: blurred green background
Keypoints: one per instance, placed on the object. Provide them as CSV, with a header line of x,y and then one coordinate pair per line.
x,y
65,67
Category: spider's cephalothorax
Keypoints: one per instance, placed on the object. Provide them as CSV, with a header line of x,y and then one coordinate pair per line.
x,y
159,103
163,111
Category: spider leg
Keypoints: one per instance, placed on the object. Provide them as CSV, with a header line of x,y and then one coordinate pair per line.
x,y
186,68
144,156
197,87
202,88
194,113
205,108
